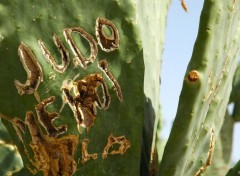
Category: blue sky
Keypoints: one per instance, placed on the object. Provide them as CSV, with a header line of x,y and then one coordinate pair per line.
x,y
181,33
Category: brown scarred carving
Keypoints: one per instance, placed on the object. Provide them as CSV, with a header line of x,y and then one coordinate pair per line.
x,y
85,99
33,69
121,140
85,155
92,43
64,54
52,156
46,118
103,65
108,43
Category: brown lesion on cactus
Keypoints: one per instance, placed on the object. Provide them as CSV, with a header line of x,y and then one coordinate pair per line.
x,y
153,166
52,156
107,42
32,68
103,65
85,155
46,118
64,54
121,140
209,156
193,76
184,5
85,99
83,61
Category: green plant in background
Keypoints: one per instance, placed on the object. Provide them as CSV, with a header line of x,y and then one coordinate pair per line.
x,y
79,90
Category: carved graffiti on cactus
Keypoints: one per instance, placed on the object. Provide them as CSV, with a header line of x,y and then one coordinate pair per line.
x,y
103,65
52,156
85,99
121,140
46,152
63,51
46,118
33,69
85,155
83,61
107,42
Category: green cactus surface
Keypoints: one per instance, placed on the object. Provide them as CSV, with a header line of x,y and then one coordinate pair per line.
x,y
10,160
235,170
152,22
223,149
206,90
39,92
235,95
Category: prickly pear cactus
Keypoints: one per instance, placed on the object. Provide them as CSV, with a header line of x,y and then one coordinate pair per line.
x,y
206,91
72,85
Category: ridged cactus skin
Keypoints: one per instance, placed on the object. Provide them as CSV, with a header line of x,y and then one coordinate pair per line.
x,y
31,21
206,90
223,149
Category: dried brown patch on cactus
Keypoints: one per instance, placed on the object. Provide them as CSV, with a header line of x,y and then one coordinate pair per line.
x,y
85,155
32,68
193,76
107,42
83,61
46,118
103,65
52,156
121,140
63,51
85,99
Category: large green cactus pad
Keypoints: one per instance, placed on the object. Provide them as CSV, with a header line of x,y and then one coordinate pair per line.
x,y
33,20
